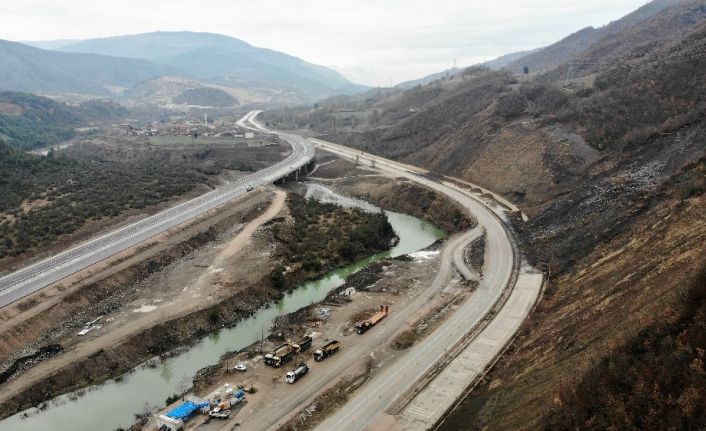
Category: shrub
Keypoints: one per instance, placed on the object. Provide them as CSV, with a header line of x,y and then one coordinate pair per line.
x,y
511,105
171,399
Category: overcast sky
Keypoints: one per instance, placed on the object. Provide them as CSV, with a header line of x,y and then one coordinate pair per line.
x,y
372,42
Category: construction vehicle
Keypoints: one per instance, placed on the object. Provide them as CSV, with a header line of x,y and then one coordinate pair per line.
x,y
366,324
219,414
269,357
326,351
280,355
297,373
302,344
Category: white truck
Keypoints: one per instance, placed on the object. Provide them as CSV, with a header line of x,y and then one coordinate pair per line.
x,y
297,373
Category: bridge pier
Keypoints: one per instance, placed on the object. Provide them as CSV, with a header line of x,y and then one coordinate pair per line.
x,y
303,171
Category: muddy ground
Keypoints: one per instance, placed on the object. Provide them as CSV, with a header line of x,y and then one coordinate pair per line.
x,y
395,282
166,293
179,278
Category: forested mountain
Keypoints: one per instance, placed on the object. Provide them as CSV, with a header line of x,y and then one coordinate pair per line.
x,y
110,66
34,70
206,97
28,121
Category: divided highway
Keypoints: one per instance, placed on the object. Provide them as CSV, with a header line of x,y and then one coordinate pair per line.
x,y
48,271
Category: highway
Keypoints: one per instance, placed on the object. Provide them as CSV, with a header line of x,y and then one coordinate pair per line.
x,y
467,272
368,406
34,277
403,375
280,409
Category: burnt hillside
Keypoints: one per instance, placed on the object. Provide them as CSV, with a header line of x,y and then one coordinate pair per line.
x,y
606,157
557,148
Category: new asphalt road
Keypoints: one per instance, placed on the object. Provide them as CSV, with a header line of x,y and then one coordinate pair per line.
x,y
369,404
48,271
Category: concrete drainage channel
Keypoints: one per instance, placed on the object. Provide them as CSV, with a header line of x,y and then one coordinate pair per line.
x,y
454,352
487,369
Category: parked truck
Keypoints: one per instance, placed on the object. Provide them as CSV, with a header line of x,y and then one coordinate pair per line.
x,y
366,324
326,351
302,344
297,373
280,355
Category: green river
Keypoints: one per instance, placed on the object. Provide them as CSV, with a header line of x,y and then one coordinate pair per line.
x,y
114,403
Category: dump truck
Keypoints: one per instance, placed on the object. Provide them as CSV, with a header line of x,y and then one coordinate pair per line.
x,y
326,351
302,344
297,373
280,355
269,357
366,324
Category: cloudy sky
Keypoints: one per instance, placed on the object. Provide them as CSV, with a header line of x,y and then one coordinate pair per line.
x,y
373,42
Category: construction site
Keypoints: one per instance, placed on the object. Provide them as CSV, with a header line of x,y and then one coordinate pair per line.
x,y
164,297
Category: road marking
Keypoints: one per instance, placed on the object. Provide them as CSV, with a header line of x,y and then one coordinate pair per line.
x,y
441,390
487,341
420,411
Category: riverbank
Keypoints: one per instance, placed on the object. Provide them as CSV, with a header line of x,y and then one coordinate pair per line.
x,y
205,323
391,193
143,312
396,281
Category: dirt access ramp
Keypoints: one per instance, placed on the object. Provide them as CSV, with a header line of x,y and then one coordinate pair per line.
x,y
160,297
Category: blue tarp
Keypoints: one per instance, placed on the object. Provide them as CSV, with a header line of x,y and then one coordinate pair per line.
x,y
185,410
239,394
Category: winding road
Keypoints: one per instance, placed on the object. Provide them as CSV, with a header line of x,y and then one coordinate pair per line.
x,y
34,277
416,390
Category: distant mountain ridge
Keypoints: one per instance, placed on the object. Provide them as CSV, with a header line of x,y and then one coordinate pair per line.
x,y
427,79
108,66
497,63
222,60
50,44
29,69
572,45
506,59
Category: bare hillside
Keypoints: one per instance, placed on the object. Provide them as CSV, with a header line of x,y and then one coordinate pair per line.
x,y
607,159
549,57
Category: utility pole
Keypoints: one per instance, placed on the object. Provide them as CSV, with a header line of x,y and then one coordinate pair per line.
x,y
262,337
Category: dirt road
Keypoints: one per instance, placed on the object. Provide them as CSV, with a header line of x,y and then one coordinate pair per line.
x,y
278,411
500,262
243,238
154,306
